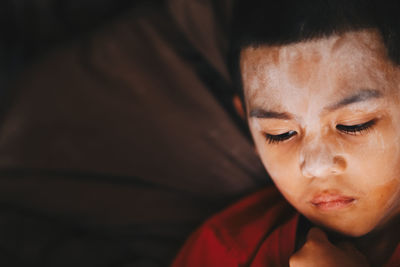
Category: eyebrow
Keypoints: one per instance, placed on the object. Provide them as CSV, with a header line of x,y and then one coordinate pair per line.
x,y
360,96
267,114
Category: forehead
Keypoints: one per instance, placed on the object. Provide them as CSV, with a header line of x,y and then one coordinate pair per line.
x,y
327,67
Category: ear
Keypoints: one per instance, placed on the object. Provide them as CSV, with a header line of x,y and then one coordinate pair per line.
x,y
238,105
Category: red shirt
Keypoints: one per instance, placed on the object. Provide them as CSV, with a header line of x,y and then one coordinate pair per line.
x,y
258,231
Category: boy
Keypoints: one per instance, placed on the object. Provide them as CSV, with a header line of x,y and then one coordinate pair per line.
x,y
321,86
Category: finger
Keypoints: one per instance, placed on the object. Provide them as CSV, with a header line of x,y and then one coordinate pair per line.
x,y
316,234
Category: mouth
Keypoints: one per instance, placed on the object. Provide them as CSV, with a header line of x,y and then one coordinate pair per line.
x,y
330,202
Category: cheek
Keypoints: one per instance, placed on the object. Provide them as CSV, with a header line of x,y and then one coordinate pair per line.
x,y
277,159
387,193
375,162
283,169
383,202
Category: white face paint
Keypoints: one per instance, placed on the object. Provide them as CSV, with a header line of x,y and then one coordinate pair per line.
x,y
325,118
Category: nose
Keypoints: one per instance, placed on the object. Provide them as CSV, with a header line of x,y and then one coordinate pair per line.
x,y
320,161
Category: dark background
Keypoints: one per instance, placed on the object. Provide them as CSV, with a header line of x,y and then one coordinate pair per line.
x,y
117,132
30,28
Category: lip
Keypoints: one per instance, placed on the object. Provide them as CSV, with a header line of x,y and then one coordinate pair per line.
x,y
331,201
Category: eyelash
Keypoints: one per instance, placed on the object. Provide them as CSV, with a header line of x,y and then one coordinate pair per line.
x,y
274,139
347,129
356,129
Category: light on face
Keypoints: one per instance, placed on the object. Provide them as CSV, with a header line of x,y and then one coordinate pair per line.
x,y
334,126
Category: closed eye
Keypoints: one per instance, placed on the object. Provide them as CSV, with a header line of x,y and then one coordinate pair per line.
x,y
357,128
273,139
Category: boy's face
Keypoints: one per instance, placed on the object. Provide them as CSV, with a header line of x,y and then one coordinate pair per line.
x,y
325,118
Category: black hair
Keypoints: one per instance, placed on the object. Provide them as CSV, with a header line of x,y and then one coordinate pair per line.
x,y
282,22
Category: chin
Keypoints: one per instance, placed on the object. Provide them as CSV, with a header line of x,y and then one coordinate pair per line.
x,y
349,232
347,229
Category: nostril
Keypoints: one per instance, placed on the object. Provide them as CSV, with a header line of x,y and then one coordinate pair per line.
x,y
339,163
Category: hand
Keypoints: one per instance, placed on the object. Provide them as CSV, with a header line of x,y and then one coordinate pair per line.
x,y
318,251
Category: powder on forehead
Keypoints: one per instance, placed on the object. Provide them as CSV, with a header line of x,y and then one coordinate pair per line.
x,y
264,65
365,39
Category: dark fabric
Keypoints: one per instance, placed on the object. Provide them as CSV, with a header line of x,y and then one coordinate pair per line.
x,y
114,147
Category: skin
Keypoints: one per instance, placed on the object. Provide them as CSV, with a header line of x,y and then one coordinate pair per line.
x,y
329,255
311,88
